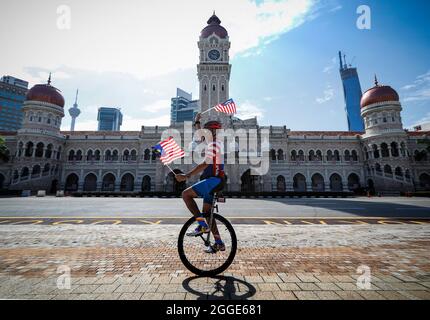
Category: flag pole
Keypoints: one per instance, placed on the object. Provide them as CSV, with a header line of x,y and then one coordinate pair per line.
x,y
207,110
170,169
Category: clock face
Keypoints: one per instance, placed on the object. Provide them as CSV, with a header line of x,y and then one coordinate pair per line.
x,y
214,54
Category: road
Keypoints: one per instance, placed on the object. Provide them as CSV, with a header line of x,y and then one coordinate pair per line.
x,y
361,207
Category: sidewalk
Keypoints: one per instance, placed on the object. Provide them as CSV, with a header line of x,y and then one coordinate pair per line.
x,y
272,262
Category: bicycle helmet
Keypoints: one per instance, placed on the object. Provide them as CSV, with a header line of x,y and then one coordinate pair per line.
x,y
213,125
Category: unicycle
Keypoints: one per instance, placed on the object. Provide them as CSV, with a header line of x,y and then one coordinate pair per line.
x,y
191,249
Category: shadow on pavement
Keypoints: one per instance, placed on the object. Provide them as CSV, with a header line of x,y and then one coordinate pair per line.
x,y
377,207
218,288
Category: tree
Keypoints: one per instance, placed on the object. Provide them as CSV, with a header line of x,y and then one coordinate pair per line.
x,y
4,151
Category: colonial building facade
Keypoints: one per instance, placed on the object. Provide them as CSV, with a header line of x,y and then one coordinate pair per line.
x,y
384,158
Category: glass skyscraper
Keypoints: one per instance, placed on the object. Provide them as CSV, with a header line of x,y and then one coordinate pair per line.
x,y
352,94
110,119
183,107
12,96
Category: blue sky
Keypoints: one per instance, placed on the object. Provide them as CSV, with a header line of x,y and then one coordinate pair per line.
x,y
289,72
133,54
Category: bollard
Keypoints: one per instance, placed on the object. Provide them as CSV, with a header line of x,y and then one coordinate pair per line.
x,y
59,194
41,193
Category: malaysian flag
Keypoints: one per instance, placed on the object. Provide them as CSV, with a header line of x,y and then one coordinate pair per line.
x,y
227,107
168,150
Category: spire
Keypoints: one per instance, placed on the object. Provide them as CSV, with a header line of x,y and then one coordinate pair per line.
x,y
214,19
76,98
49,79
376,81
340,60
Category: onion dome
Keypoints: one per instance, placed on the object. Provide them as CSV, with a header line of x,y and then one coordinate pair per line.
x,y
45,93
378,94
214,26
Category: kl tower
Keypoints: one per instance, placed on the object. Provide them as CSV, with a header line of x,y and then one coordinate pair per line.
x,y
74,112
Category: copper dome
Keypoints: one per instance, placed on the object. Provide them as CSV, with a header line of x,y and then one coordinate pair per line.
x,y
378,94
45,93
214,27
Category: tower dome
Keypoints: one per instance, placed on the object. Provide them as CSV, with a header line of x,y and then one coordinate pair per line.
x,y
214,26
377,94
45,93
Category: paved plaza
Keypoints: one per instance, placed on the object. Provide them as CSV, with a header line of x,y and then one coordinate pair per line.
x,y
274,261
126,248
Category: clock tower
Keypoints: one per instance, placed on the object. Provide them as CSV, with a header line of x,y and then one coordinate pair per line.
x,y
214,69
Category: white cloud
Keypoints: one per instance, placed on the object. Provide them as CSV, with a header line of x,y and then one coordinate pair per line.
x,y
419,90
328,95
331,66
144,38
248,110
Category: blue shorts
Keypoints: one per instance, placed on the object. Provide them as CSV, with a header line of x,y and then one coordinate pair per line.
x,y
205,187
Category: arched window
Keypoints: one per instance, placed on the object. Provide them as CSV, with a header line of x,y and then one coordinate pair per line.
x,y
126,155
330,156
317,182
133,155
147,155
336,155
301,155
354,155
312,155
90,182
353,182
280,184
39,150
97,155
387,169
273,154
108,155
90,156
71,155
146,183
48,153
375,151
394,149
424,180
115,155
336,184
384,150
293,155
347,155
280,154
79,155
108,182
299,183
127,182
72,182
318,155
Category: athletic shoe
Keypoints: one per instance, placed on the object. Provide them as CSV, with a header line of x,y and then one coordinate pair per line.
x,y
215,248
198,231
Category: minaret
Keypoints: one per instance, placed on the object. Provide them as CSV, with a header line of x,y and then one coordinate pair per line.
x,y
74,112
